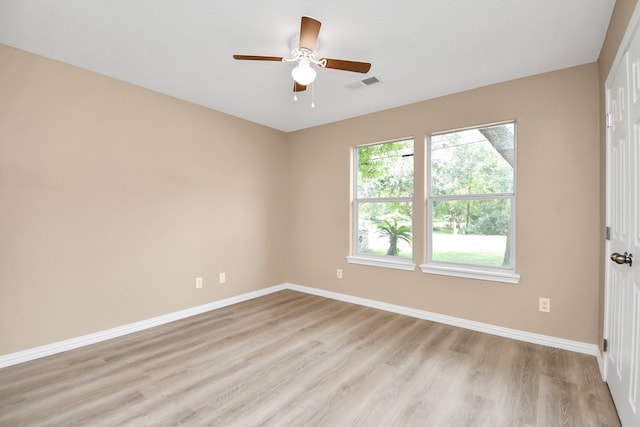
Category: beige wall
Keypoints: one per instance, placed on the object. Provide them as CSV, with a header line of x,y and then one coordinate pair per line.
x,y
558,205
617,26
114,198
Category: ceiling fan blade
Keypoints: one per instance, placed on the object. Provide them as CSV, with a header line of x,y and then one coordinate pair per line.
x,y
339,64
309,30
297,87
257,58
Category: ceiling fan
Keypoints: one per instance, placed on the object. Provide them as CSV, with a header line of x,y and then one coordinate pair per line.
x,y
305,55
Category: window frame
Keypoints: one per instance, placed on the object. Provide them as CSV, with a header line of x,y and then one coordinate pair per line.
x,y
472,271
387,261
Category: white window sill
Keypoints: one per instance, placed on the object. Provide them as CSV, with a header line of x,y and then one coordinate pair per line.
x,y
399,264
505,276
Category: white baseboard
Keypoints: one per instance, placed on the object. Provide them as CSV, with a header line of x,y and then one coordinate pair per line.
x,y
561,343
73,343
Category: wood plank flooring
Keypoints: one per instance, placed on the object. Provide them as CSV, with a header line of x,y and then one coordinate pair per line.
x,y
292,359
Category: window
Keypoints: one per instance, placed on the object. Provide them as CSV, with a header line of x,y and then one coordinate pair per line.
x,y
383,205
471,203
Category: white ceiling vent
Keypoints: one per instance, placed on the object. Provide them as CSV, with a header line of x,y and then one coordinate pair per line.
x,y
367,81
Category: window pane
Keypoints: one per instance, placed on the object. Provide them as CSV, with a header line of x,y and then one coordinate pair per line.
x,y
472,232
385,170
385,228
465,162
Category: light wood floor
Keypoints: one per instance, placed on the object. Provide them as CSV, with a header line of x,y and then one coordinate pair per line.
x,y
291,359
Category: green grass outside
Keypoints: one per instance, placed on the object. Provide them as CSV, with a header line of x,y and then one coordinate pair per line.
x,y
402,254
494,259
460,249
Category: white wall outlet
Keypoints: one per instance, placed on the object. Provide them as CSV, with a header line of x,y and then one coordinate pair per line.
x,y
198,282
222,277
544,305
339,273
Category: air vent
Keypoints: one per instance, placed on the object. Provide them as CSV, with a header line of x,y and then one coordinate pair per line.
x,y
370,81
367,81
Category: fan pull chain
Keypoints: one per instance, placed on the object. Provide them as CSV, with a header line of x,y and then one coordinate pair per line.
x,y
313,95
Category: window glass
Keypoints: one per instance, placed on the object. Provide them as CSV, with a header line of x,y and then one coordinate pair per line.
x,y
471,231
466,163
385,170
384,228
383,203
471,197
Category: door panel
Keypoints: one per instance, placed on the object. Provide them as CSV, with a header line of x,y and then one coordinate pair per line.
x,y
622,360
633,285
618,219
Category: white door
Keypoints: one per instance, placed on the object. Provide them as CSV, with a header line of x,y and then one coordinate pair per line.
x,y
622,360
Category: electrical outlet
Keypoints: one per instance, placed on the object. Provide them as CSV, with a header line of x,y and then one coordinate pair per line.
x,y
222,277
544,305
339,273
198,282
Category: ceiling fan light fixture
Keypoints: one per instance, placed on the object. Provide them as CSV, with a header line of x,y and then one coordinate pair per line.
x,y
303,74
304,54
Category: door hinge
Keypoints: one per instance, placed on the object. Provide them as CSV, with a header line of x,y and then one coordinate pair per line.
x,y
607,233
605,345
608,119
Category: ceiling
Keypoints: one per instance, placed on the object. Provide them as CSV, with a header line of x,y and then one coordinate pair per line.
x,y
420,49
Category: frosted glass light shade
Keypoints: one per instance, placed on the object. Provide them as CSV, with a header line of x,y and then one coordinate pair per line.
x,y
303,74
